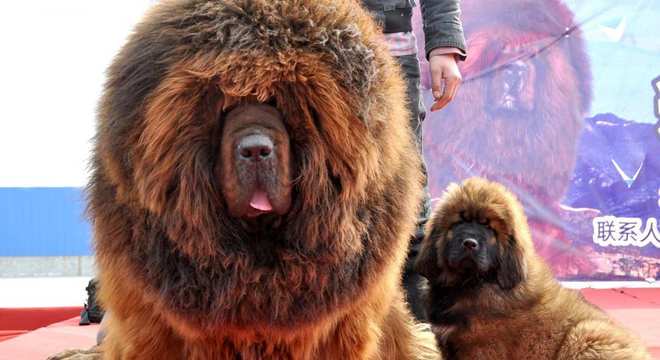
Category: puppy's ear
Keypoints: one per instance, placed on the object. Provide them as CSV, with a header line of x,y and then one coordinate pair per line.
x,y
510,272
426,263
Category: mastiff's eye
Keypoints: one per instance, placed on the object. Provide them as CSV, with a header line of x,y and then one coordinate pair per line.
x,y
463,216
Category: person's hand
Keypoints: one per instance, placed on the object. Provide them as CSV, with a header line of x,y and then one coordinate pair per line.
x,y
445,79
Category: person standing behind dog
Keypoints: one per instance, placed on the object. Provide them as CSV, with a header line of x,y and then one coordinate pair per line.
x,y
445,45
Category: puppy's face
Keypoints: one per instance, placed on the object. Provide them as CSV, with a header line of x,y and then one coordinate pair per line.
x,y
470,249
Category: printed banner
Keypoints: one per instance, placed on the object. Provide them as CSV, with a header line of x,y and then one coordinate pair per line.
x,y
560,102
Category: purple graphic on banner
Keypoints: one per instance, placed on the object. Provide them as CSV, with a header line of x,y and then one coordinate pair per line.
x,y
618,168
656,104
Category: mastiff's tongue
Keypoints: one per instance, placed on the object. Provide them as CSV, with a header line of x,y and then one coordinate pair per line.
x,y
260,201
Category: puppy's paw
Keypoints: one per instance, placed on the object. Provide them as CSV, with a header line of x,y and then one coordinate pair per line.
x,y
89,354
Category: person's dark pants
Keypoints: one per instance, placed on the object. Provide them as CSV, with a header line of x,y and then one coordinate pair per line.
x,y
411,280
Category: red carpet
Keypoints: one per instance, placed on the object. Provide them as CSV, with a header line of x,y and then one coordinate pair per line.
x,y
17,321
45,341
637,309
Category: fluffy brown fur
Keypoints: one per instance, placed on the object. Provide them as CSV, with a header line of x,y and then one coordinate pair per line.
x,y
513,308
184,279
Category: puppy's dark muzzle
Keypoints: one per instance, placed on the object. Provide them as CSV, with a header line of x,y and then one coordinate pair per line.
x,y
466,252
470,244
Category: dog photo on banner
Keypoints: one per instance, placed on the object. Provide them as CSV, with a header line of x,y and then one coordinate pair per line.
x,y
560,102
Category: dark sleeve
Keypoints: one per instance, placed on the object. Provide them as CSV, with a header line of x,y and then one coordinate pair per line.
x,y
442,25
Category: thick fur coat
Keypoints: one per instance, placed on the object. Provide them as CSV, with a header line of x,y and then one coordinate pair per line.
x,y
513,308
184,279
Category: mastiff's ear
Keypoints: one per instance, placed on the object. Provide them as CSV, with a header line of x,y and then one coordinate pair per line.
x,y
510,272
427,262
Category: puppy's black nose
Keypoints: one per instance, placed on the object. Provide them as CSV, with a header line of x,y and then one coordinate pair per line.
x,y
471,244
255,147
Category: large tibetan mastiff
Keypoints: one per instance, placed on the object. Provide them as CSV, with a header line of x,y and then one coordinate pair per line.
x,y
255,186
492,297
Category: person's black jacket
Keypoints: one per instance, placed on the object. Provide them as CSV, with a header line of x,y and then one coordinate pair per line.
x,y
442,22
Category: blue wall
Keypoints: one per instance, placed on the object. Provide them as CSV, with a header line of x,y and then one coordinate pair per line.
x,y
43,222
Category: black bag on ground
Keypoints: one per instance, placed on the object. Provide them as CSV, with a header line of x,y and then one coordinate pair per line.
x,y
92,312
